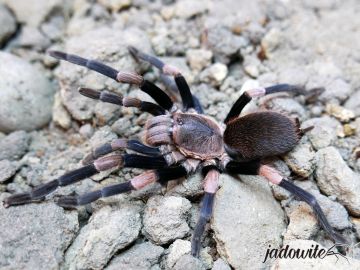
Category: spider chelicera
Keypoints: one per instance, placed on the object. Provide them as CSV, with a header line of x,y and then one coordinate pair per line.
x,y
182,141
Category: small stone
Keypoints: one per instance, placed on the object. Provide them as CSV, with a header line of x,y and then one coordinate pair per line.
x,y
324,132
356,222
189,187
176,251
187,262
32,37
271,41
116,5
7,24
86,131
188,8
302,223
327,262
165,218
339,112
214,74
34,12
255,220
220,264
139,257
334,177
14,145
109,230
26,100
35,236
7,170
198,58
349,130
106,113
353,103
61,117
167,12
301,159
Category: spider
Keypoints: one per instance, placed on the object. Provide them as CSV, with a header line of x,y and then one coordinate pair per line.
x,y
181,141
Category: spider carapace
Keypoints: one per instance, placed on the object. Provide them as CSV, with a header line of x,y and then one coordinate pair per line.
x,y
180,140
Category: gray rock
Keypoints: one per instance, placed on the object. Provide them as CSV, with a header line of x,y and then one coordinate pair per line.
x,y
32,37
14,145
34,12
189,187
324,132
214,74
301,159
7,170
302,223
198,59
176,250
356,222
116,5
288,106
61,117
246,215
187,8
220,264
328,262
353,103
104,44
26,95
109,230
139,257
165,218
7,24
334,177
189,262
35,236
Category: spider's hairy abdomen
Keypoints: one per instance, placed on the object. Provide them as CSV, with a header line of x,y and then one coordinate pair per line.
x,y
261,134
197,136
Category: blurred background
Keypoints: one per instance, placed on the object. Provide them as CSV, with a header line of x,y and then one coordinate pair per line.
x,y
222,47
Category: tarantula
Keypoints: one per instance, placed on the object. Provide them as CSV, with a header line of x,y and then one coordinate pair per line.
x,y
182,141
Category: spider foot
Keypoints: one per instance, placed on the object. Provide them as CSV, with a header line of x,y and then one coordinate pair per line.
x,y
22,198
67,201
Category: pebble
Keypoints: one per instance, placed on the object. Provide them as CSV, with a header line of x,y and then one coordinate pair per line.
x,y
116,5
353,103
246,215
214,74
176,250
109,230
26,100
32,37
199,59
220,264
7,24
14,145
324,132
187,262
339,112
165,219
334,177
35,236
7,170
139,257
61,117
301,159
188,8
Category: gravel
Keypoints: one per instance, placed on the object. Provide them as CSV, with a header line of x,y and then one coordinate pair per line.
x,y
334,177
246,215
26,95
165,218
7,170
43,243
14,145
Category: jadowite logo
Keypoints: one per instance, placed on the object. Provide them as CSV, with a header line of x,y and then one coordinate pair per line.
x,y
314,252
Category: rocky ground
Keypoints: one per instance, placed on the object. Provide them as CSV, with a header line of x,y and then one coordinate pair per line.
x,y
47,128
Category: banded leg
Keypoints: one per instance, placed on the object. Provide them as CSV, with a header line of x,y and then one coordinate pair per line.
x,y
182,86
247,96
102,164
138,182
113,98
121,144
211,184
274,177
120,76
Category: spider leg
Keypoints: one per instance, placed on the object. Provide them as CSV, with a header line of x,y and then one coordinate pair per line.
x,y
138,182
102,164
210,186
120,144
113,98
247,96
274,176
120,76
182,86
